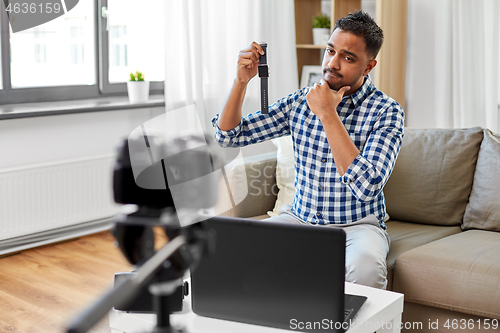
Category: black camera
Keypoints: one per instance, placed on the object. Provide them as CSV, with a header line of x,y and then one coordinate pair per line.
x,y
164,184
150,173
167,183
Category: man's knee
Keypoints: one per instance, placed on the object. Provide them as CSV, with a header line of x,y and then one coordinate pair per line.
x,y
366,269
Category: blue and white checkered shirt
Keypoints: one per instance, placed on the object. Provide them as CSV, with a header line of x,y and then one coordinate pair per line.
x,y
374,122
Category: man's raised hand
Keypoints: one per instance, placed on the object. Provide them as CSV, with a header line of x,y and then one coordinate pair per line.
x,y
248,62
323,101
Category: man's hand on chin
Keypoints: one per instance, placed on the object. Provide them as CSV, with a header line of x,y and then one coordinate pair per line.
x,y
323,101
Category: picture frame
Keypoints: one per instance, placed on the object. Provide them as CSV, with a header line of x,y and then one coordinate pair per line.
x,y
310,75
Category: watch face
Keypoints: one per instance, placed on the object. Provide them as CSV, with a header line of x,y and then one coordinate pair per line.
x,y
263,71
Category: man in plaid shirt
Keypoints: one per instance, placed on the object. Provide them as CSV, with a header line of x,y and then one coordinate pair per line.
x,y
346,136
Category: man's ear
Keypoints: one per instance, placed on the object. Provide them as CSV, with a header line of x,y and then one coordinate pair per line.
x,y
371,64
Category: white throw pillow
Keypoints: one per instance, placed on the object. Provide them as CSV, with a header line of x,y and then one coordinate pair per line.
x,y
285,173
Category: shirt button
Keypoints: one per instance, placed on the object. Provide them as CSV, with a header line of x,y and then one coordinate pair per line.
x,y
318,214
321,187
323,160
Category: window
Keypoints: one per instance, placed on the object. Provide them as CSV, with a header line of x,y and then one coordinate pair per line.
x,y
118,51
87,52
52,53
77,46
1,25
135,42
40,46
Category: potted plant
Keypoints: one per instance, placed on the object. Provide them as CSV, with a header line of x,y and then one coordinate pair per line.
x,y
138,88
321,29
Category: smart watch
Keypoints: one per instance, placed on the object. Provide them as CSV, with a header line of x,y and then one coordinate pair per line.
x,y
264,75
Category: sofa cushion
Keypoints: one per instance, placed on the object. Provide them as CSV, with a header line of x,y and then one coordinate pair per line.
x,y
285,173
432,178
483,209
248,188
460,273
426,319
406,236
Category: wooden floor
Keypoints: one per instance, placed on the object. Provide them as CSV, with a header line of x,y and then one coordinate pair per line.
x,y
42,289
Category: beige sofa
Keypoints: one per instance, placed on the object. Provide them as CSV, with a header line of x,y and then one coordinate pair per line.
x,y
443,200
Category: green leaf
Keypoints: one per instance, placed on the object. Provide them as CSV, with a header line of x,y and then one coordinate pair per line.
x,y
137,76
321,21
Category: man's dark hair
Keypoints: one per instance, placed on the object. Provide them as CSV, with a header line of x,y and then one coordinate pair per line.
x,y
363,25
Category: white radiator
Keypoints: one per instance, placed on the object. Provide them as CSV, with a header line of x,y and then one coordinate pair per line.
x,y
45,197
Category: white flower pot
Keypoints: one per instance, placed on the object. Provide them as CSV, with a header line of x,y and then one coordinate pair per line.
x,y
321,36
138,91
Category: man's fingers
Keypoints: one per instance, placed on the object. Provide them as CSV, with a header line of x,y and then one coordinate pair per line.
x,y
254,50
344,89
252,55
247,63
317,84
258,48
341,91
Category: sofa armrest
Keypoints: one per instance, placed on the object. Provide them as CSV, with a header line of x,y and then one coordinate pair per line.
x,y
252,187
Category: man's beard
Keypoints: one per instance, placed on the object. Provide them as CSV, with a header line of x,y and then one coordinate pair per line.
x,y
333,86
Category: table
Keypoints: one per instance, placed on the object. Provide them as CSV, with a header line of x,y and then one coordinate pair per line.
x,y
381,312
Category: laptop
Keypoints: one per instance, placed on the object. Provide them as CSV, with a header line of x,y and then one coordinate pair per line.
x,y
275,274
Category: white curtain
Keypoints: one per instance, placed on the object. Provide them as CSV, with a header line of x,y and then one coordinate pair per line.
x,y
203,39
467,63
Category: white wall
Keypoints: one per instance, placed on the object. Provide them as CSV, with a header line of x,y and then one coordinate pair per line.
x,y
29,141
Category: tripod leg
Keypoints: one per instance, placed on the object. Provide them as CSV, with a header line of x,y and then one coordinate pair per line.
x,y
163,306
162,310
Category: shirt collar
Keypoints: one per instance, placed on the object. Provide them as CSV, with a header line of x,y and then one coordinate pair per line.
x,y
359,96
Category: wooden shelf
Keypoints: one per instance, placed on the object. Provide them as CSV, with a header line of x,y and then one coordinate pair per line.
x,y
305,10
310,46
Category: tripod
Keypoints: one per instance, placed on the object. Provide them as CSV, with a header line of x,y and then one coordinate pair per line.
x,y
163,272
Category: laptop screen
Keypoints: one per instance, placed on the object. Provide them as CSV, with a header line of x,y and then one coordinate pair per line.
x,y
271,274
